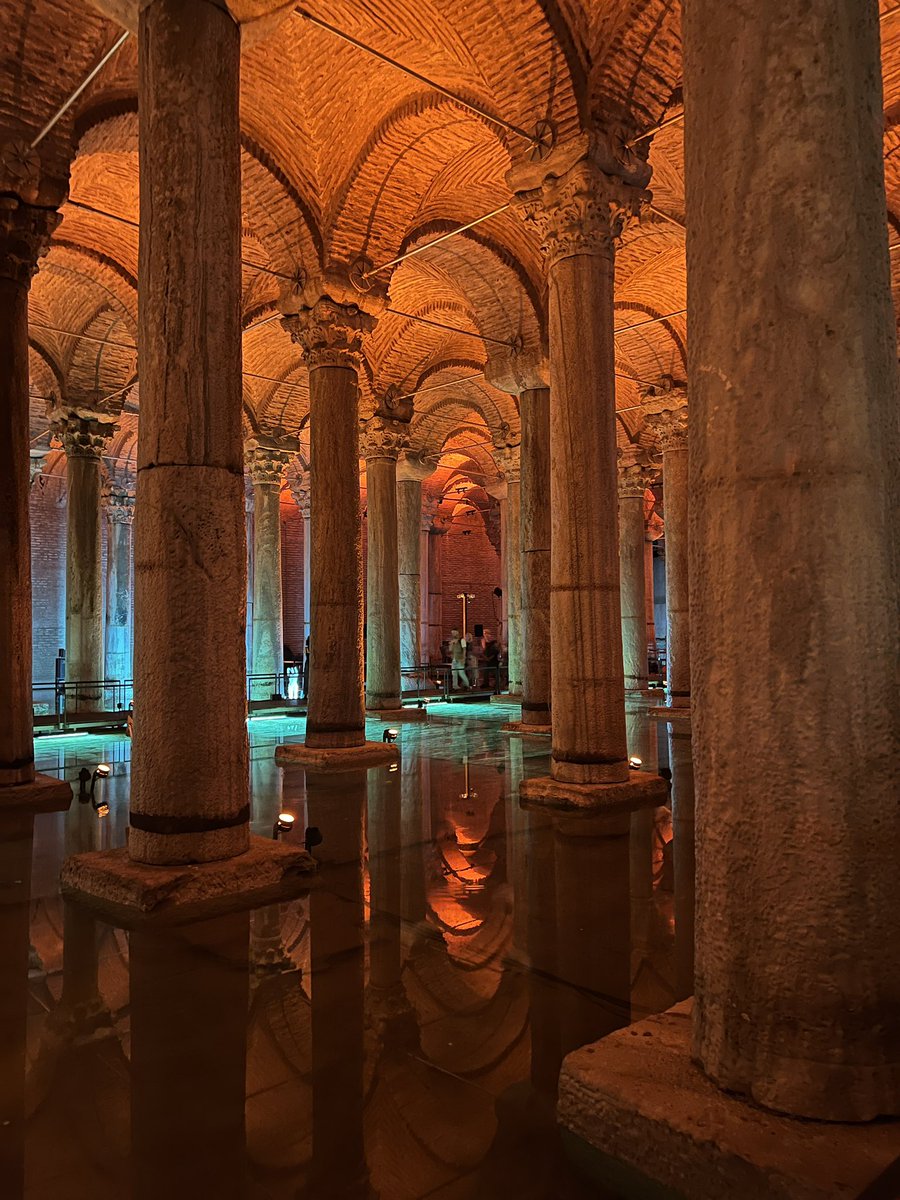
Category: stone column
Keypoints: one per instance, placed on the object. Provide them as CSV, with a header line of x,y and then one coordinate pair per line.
x,y
382,440
534,410
793,559
303,497
330,334
436,531
24,235
411,471
649,592
119,577
507,459
671,426
83,435
266,461
579,200
189,792
634,479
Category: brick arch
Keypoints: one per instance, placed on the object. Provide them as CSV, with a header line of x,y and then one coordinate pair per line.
x,y
636,52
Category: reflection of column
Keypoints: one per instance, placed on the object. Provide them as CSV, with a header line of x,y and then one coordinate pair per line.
x,y
436,589
188,1001
543,948
507,460
633,482
682,766
189,791
411,471
580,199
331,337
385,892
671,425
266,462
119,516
337,806
381,442
84,438
534,408
793,564
415,783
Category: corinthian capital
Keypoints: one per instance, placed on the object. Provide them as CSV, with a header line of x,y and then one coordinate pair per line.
x,y
330,334
267,457
120,508
302,493
581,197
634,479
508,461
671,427
381,438
83,433
25,233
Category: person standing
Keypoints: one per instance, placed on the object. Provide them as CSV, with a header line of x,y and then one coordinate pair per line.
x,y
458,677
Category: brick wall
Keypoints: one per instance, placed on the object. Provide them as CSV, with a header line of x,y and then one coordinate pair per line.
x,y
48,577
470,564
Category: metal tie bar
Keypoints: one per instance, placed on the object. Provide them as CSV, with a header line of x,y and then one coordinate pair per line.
x,y
71,100
437,87
435,241
483,337
655,129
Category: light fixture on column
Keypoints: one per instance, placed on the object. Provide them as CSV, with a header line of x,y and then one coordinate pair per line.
x,y
284,823
390,735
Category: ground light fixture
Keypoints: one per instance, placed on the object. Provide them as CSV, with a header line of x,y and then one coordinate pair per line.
x,y
390,735
312,837
635,763
284,823
85,777
99,805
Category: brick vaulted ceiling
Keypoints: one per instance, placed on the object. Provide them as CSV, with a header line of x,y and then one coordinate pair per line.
x,y
344,155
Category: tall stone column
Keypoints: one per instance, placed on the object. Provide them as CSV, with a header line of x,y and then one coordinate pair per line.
x,y
382,441
303,498
411,472
436,531
579,198
119,577
84,435
671,426
634,479
189,793
330,334
534,411
507,460
266,460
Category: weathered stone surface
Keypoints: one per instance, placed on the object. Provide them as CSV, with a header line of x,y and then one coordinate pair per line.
x,y
337,758
43,793
637,1097
130,893
642,788
534,408
794,571
633,481
382,441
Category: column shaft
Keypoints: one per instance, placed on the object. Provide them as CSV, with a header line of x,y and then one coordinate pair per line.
x,y
382,585
513,553
435,592
268,634
189,793
307,575
534,407
631,577
118,662
678,619
793,554
84,580
409,521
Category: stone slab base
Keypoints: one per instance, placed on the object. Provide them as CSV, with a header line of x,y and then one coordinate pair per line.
x,y
43,794
665,712
369,754
129,894
526,730
507,698
643,1120
641,790
392,715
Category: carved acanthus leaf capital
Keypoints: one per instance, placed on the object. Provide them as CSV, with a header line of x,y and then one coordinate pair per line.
x,y
508,461
302,492
330,334
120,508
380,438
635,478
266,459
83,433
25,233
671,428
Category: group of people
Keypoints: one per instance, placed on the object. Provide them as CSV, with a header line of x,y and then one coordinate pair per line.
x,y
474,661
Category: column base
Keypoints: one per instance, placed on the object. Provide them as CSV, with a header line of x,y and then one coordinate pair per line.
x,y
640,790
641,1119
337,758
43,794
130,894
507,698
525,730
665,712
392,715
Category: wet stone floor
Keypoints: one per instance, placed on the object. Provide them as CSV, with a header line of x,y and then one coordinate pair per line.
x,y
396,1032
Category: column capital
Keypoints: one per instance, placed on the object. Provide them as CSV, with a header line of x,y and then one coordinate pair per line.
x,y
635,478
671,428
25,233
581,197
381,438
508,461
413,469
267,457
330,334
300,490
120,508
83,433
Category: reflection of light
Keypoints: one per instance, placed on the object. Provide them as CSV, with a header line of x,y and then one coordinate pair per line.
x,y
103,770
394,767
284,823
635,763
101,808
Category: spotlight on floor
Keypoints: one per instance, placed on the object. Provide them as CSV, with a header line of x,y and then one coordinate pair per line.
x,y
390,735
635,763
394,767
312,837
100,806
284,823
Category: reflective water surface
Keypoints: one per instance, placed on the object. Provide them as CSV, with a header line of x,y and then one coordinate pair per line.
x,y
396,1032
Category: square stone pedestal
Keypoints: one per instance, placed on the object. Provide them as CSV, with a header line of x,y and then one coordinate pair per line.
x,y
337,758
643,1120
641,790
527,730
131,894
43,794
506,698
396,716
666,712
